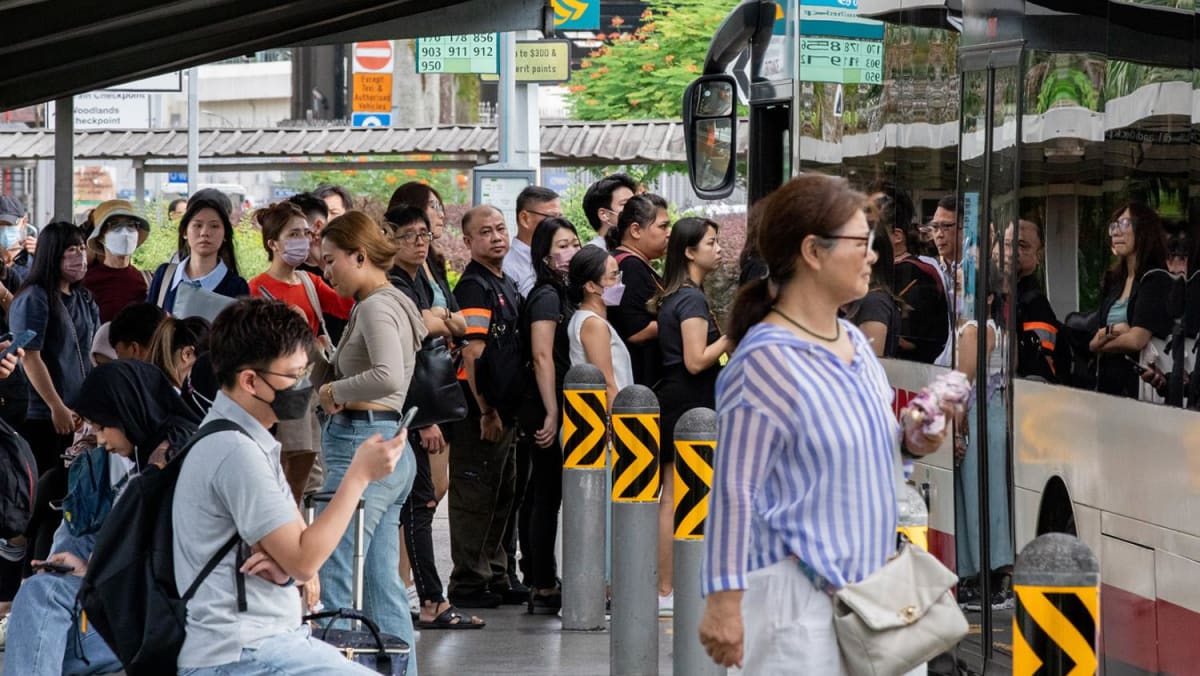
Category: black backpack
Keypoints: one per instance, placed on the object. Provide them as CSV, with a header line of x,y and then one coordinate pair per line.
x,y
18,482
129,594
502,373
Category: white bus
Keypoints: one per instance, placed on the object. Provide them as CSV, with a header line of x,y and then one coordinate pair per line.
x,y
1058,113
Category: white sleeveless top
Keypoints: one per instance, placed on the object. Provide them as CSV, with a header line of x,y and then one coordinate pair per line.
x,y
622,368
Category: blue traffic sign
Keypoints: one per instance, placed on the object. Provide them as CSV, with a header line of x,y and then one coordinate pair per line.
x,y
177,177
576,15
371,119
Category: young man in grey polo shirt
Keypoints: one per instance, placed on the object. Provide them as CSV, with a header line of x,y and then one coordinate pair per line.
x,y
232,481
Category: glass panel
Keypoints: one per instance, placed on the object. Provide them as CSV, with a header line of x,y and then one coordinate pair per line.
x,y
713,154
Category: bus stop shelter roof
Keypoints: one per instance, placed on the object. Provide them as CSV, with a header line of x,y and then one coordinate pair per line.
x,y
55,48
562,143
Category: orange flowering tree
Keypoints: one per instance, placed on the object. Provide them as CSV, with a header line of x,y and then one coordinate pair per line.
x,y
642,75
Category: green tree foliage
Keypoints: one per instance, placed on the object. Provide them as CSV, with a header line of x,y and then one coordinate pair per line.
x,y
377,185
642,75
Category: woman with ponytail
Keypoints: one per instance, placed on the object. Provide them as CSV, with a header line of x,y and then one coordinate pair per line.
x,y
809,442
177,347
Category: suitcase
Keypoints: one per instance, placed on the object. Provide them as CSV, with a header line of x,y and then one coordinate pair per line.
x,y
364,644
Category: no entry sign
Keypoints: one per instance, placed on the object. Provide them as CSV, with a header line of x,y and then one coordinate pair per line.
x,y
373,57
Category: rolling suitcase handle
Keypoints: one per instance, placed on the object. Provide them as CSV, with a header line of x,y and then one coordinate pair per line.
x,y
359,535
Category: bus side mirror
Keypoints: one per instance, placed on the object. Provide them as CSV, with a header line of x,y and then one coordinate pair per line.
x,y
710,134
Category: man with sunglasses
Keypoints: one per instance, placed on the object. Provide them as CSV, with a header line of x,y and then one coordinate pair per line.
x,y
534,205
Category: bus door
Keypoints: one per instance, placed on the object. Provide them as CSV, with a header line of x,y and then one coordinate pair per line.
x,y
988,204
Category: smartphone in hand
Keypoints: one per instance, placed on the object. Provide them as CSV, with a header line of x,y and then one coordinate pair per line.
x,y
52,567
19,342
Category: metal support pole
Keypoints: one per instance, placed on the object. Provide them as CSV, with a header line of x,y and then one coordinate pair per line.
x,y
633,642
585,494
1057,584
139,183
695,441
64,158
193,130
507,112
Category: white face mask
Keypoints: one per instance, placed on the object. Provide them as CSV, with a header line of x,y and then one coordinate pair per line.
x,y
121,242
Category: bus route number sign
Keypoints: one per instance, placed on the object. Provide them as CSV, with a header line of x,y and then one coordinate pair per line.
x,y
473,53
841,61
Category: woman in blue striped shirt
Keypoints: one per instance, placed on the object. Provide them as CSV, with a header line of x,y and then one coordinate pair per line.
x,y
807,449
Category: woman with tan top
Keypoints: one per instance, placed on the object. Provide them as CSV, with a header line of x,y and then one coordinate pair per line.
x,y
372,368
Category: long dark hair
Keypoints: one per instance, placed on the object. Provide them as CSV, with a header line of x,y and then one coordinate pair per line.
x,y
811,204
417,194
587,266
1149,245
687,233
46,271
225,253
539,251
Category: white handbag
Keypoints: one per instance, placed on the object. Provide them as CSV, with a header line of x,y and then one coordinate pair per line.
x,y
898,618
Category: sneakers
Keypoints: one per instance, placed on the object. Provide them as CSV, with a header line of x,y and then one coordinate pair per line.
x,y
544,604
3,632
971,600
666,605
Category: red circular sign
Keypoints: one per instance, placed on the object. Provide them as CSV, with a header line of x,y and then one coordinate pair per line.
x,y
374,55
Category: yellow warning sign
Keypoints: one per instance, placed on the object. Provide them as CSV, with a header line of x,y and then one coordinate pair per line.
x,y
1055,627
635,458
584,428
693,482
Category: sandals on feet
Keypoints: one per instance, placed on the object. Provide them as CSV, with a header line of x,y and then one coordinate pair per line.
x,y
451,618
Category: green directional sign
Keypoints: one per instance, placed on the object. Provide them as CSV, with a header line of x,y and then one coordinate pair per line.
x,y
473,53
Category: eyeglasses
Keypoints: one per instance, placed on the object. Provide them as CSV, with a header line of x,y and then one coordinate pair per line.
x,y
411,237
1120,225
941,225
303,375
436,206
543,214
617,276
868,239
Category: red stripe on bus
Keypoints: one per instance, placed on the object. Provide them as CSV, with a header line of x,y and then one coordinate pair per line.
x,y
1178,629
1128,628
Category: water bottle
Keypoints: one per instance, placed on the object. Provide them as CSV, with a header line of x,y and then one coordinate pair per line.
x,y
913,516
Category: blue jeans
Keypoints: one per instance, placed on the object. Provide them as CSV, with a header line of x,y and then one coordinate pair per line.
x,y
295,652
43,638
385,599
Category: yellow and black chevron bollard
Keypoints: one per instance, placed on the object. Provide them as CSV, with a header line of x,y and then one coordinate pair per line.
x,y
1057,584
695,443
635,491
585,498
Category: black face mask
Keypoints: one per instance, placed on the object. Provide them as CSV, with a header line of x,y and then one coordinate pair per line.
x,y
290,403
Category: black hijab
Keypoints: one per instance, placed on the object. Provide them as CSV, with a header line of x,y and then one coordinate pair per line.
x,y
138,399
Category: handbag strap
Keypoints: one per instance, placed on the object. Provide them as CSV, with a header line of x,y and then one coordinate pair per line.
x,y
311,291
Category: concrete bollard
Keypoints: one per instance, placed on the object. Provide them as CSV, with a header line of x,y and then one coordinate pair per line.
x,y
695,441
633,645
1057,584
585,498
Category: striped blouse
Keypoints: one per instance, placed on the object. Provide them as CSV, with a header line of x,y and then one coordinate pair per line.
x,y
805,461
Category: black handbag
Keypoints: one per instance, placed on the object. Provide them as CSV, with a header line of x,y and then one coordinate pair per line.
x,y
434,389
379,652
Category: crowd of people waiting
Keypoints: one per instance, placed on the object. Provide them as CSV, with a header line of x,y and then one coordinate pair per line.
x,y
315,360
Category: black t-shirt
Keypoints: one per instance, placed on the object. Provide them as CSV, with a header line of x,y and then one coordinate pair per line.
x,y
686,303
927,322
641,284
879,306
335,325
492,307
545,303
